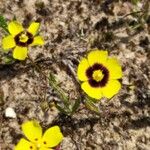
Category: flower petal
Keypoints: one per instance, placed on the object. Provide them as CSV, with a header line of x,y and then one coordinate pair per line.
x,y
94,92
32,130
52,137
8,42
20,53
44,148
15,27
115,71
111,88
81,71
97,56
33,28
25,145
38,40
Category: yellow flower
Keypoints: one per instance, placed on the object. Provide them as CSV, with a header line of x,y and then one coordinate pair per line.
x,y
99,74
20,39
33,131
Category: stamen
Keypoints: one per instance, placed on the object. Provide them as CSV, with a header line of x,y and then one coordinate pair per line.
x,y
23,37
98,75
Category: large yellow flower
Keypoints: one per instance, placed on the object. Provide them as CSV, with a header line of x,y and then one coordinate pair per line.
x,y
33,131
21,39
99,74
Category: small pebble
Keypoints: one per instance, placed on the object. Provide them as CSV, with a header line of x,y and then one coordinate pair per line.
x,y
10,113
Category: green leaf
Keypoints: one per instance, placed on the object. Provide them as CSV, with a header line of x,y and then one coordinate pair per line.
x,y
61,109
134,2
14,18
76,105
8,60
52,78
62,95
91,105
3,23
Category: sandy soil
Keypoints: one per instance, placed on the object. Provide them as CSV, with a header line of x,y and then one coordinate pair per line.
x,y
70,29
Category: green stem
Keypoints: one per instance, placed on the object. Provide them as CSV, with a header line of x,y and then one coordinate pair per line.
x,y
53,85
132,13
59,92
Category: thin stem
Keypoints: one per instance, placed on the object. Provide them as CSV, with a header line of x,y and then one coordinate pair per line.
x,y
59,91
132,13
39,70
52,84
37,67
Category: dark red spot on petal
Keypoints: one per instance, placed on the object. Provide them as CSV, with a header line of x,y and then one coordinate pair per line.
x,y
90,71
24,44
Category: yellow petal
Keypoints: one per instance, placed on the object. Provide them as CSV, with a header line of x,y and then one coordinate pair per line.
x,y
20,53
94,92
97,56
14,28
52,137
111,88
25,145
32,130
115,71
44,148
38,40
33,28
81,71
8,42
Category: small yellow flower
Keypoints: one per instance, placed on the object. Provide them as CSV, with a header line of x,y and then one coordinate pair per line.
x,y
20,39
99,74
33,131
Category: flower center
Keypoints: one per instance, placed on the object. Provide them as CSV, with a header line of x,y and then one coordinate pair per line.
x,y
23,37
97,75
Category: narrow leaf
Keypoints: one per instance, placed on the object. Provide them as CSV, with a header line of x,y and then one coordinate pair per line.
x,y
90,105
61,109
76,105
3,23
